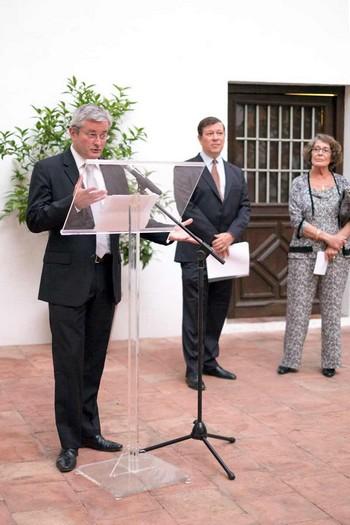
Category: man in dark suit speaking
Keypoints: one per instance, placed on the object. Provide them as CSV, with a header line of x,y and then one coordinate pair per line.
x,y
80,280
220,210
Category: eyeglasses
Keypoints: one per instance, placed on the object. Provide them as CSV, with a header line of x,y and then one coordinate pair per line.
x,y
91,135
95,136
321,150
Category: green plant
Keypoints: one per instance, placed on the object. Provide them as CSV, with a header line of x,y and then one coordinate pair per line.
x,y
48,136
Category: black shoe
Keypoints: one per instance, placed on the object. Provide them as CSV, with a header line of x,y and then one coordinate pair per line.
x,y
328,372
218,371
285,370
192,382
100,443
67,459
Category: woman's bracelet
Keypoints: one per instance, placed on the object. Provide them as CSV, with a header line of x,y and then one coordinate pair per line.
x,y
318,233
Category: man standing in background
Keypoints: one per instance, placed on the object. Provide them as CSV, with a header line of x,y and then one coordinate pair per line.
x,y
220,210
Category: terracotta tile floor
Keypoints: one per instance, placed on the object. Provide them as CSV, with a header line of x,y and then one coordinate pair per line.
x,y
291,457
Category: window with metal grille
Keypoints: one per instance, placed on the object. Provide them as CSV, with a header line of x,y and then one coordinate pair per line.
x,y
270,144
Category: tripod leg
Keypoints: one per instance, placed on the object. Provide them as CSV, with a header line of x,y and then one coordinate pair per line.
x,y
215,436
166,443
229,472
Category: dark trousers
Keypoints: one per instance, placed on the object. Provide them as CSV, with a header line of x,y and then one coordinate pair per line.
x,y
80,338
216,299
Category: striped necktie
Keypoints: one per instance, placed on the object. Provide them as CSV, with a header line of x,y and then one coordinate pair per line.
x,y
215,175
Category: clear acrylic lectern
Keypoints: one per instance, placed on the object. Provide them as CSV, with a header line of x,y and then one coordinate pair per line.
x,y
141,198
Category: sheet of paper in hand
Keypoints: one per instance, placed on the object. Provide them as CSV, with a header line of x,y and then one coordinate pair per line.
x,y
236,264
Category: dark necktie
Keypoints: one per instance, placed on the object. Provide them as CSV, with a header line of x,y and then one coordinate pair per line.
x,y
215,175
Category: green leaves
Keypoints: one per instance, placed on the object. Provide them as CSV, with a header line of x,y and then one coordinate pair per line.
x,y
48,136
146,250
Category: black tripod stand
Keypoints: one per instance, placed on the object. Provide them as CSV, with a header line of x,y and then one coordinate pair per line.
x,y
199,430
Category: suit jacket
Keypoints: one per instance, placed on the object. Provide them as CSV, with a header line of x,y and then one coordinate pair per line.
x,y
210,214
68,267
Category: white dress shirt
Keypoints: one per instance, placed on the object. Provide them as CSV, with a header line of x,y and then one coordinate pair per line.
x,y
103,244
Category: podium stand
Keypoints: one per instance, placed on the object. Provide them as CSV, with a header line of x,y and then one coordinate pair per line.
x,y
127,212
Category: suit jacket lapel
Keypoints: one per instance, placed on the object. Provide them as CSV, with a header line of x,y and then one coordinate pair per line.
x,y
70,166
72,172
207,176
228,181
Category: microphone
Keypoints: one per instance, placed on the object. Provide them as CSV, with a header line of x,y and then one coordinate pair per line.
x,y
143,182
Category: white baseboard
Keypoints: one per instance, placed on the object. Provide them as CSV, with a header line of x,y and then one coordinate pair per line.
x,y
233,326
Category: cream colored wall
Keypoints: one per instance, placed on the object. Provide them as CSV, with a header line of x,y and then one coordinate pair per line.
x,y
178,58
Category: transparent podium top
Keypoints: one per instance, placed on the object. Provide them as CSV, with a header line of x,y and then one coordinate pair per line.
x,y
138,196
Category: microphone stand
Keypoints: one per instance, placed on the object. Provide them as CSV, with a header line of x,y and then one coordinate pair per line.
x,y
199,430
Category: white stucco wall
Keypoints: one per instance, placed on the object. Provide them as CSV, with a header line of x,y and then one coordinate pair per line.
x,y
178,58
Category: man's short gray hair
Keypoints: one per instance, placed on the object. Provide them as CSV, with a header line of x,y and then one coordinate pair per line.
x,y
90,112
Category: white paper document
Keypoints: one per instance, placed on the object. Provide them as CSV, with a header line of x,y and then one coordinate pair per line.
x,y
321,264
236,264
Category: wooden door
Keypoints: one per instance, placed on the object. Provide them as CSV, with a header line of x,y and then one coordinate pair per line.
x,y
268,127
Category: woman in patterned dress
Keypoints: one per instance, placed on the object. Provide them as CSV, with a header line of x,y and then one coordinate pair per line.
x,y
314,209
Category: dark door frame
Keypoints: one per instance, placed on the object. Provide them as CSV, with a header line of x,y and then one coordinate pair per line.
x,y
276,93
